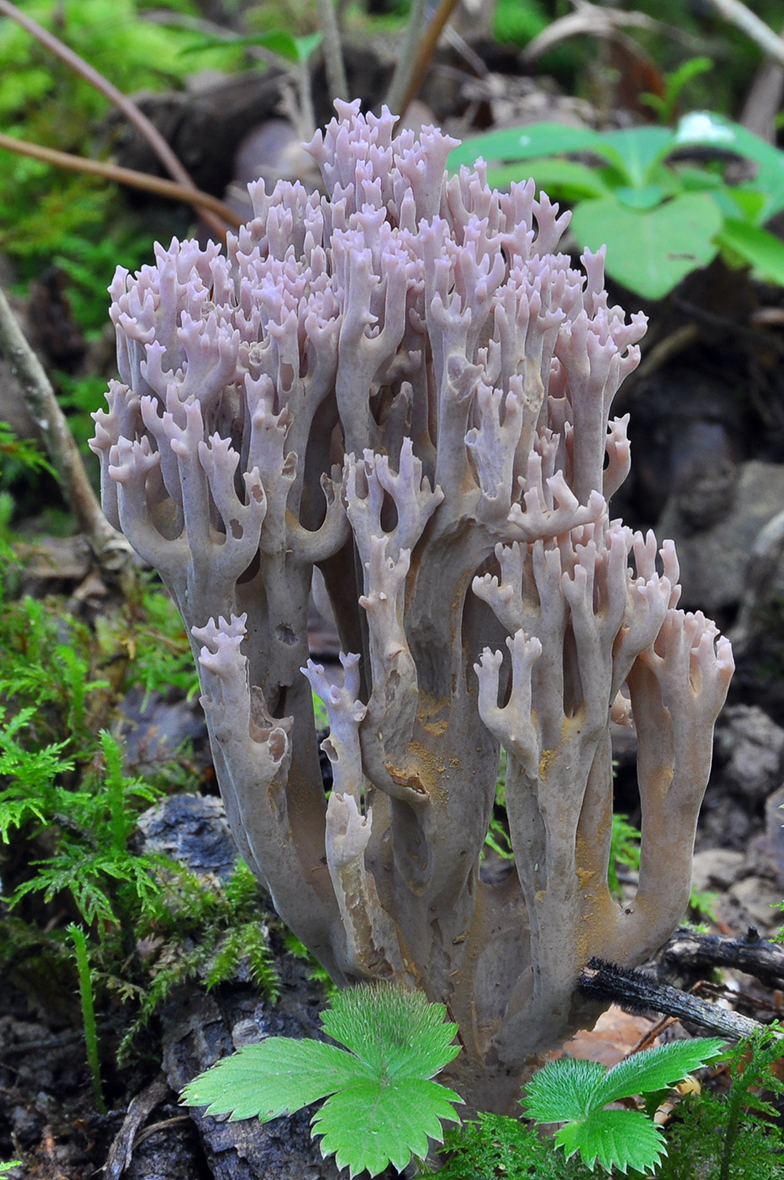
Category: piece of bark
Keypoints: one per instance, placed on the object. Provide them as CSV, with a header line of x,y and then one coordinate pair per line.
x,y
121,1150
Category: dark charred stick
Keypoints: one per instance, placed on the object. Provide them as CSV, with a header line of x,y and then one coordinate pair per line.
x,y
639,993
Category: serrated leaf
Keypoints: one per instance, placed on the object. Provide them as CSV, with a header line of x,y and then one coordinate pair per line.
x,y
277,1076
619,1139
374,1123
656,1069
563,1090
397,1033
382,1105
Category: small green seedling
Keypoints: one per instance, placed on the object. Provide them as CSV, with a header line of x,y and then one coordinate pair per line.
x,y
88,1012
664,105
577,1093
7,1167
381,1104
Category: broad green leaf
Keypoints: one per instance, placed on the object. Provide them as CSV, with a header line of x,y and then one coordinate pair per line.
x,y
564,180
656,1069
525,143
668,180
640,198
639,149
306,45
297,49
755,246
397,1033
650,251
382,1105
277,1076
563,1090
577,1093
619,1139
633,151
373,1123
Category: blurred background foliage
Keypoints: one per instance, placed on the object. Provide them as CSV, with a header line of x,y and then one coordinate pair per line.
x,y
86,226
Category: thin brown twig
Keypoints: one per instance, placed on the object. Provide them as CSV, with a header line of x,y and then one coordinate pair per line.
x,y
647,1039
767,39
128,107
178,1120
333,51
129,176
404,69
593,20
427,48
111,549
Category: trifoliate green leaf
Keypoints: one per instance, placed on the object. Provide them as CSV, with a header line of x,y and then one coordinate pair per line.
x,y
577,1093
397,1033
277,1076
371,1124
656,1069
382,1107
619,1139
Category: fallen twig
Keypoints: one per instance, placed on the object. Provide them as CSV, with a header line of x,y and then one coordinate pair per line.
x,y
640,993
129,176
752,954
594,21
333,53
